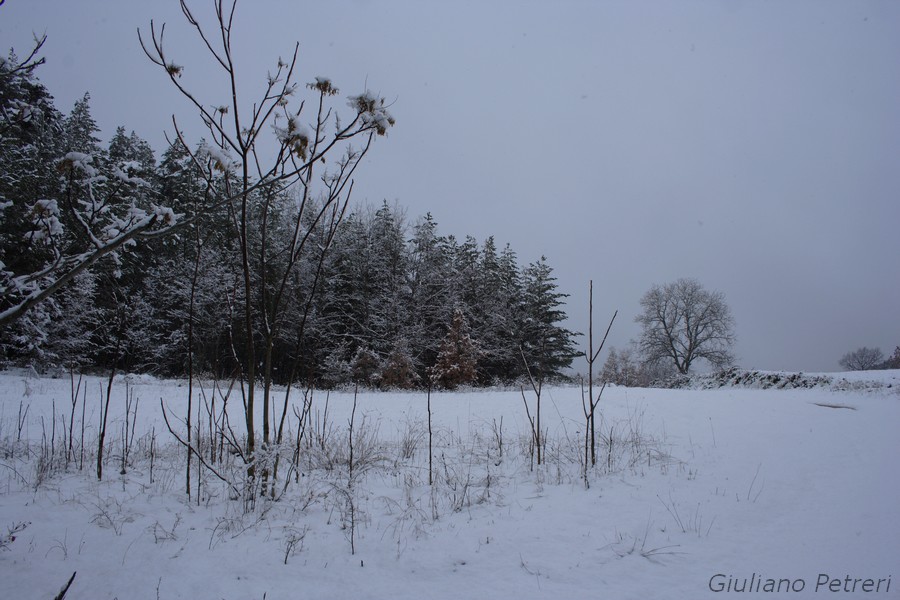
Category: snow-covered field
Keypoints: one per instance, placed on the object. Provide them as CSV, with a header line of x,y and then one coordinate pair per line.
x,y
701,490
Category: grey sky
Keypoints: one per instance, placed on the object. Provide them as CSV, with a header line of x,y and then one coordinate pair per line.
x,y
754,145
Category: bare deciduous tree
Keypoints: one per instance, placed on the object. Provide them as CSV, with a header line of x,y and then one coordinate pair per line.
x,y
258,153
590,405
683,322
862,359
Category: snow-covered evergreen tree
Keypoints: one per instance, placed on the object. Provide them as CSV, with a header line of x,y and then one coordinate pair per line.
x,y
71,336
129,151
81,220
30,143
497,313
399,369
388,271
366,367
457,361
344,305
466,262
431,291
275,278
546,347
81,129
336,369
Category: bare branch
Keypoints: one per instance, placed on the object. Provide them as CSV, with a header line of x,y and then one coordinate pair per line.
x,y
683,322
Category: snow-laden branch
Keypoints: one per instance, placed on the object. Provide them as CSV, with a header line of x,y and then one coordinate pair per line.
x,y
24,291
103,218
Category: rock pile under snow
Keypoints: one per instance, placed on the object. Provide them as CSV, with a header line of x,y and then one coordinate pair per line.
x,y
743,378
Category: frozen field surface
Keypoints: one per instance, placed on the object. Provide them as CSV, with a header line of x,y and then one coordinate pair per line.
x,y
697,493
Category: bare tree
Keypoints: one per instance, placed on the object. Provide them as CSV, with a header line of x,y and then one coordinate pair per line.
x,y
253,170
590,405
862,359
683,322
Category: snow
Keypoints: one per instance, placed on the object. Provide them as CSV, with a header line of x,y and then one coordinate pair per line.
x,y
121,172
736,377
294,134
220,159
166,215
742,483
81,161
371,110
45,216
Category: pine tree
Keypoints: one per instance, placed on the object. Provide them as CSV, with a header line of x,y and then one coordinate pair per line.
x,y
457,360
620,368
183,186
132,151
168,287
399,369
546,347
67,200
343,307
611,369
81,129
71,336
366,367
23,342
376,308
431,291
336,369
30,144
497,312
366,289
199,261
388,272
127,167
466,261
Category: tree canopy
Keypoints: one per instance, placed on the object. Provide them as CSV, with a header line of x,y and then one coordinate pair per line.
x,y
683,322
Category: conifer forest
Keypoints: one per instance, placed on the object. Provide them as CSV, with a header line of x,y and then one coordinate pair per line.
x,y
331,292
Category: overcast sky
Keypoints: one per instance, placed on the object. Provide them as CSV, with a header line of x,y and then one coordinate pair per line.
x,y
753,145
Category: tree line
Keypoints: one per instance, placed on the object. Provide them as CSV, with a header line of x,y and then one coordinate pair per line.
x,y
869,359
322,293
